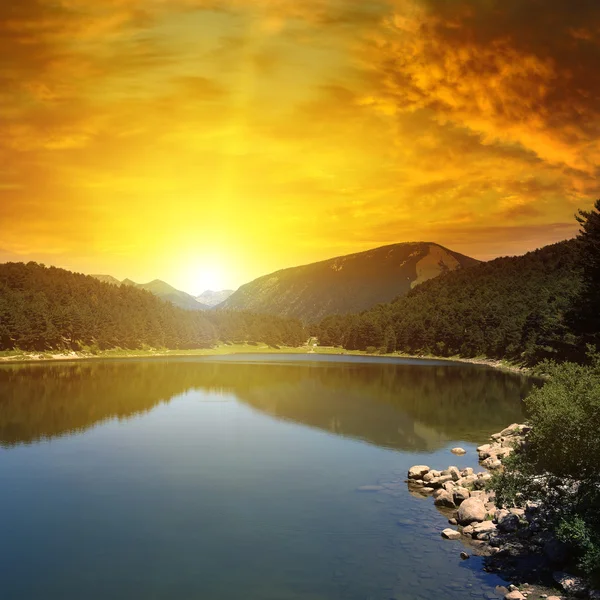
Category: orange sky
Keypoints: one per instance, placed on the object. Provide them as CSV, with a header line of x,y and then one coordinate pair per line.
x,y
208,142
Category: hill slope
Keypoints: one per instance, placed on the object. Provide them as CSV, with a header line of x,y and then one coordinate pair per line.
x,y
511,307
347,283
161,289
44,308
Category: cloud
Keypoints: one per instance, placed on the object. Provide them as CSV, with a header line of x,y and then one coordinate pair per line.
x,y
513,71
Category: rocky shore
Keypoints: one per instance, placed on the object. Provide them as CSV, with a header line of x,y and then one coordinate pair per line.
x,y
515,541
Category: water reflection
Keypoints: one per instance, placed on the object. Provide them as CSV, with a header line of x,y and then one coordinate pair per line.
x,y
404,406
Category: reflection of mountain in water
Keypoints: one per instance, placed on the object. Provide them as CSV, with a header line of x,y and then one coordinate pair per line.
x,y
409,407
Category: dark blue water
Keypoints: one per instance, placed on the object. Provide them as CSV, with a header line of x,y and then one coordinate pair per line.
x,y
231,478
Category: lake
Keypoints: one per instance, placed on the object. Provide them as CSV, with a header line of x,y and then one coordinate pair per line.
x,y
220,478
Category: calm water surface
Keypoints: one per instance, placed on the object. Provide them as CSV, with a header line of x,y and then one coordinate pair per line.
x,y
237,477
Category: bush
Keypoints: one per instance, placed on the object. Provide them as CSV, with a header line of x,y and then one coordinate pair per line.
x,y
559,465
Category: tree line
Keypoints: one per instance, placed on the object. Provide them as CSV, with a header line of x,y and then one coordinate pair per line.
x,y
528,308
43,308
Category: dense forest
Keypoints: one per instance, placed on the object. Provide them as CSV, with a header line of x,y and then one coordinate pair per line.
x,y
44,308
514,307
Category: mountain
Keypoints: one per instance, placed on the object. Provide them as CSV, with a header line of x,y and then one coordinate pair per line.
x,y
347,283
511,307
161,289
211,299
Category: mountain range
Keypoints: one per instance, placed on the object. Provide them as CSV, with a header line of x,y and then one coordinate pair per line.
x,y
346,284
161,289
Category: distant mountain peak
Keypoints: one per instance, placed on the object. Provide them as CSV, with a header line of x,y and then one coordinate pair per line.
x,y
213,298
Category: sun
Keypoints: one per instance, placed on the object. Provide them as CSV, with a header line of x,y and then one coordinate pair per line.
x,y
203,276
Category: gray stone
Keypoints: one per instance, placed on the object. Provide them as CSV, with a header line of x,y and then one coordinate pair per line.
x,y
472,509
508,522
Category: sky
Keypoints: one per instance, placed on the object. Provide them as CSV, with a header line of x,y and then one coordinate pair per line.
x,y
208,142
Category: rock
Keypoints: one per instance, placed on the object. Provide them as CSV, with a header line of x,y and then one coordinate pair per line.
x,y
503,452
445,499
448,486
451,534
472,509
482,531
501,590
464,555
508,522
460,494
455,473
495,436
511,430
514,595
574,586
556,552
417,471
458,451
554,598
427,490
467,472
439,481
484,451
452,521
492,462
428,477
435,473
468,530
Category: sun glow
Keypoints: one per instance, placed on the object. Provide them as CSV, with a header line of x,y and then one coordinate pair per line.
x,y
204,276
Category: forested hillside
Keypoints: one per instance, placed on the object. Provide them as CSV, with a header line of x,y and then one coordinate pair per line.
x,y
49,308
508,308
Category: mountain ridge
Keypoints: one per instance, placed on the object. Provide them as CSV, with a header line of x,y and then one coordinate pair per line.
x,y
347,283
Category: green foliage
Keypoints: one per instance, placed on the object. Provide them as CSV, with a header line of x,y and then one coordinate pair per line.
x,y
559,464
48,308
510,308
585,316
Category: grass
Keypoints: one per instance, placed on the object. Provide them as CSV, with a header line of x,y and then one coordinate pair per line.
x,y
223,349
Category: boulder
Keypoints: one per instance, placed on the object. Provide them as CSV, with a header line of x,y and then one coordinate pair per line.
x,y
428,477
472,509
417,471
448,486
468,530
444,499
451,534
507,522
515,595
458,451
482,531
467,472
454,473
464,555
575,586
460,494
484,451
513,429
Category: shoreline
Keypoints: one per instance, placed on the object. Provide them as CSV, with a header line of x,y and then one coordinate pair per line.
x,y
506,537
231,349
